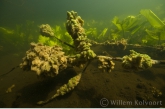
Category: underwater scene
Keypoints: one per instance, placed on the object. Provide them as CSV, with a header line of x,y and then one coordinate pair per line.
x,y
82,54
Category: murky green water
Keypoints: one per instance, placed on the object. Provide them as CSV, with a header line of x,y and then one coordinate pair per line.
x,y
141,23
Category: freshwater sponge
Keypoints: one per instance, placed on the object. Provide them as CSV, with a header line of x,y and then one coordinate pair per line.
x,y
44,60
136,60
105,63
46,30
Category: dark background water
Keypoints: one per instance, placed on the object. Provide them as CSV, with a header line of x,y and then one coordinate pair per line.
x,y
47,11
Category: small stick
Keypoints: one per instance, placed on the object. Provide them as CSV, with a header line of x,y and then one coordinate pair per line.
x,y
9,71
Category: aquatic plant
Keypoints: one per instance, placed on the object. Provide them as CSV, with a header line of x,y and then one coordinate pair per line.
x,y
6,31
97,30
18,37
46,40
96,35
92,33
59,34
152,18
155,36
102,34
158,30
137,29
130,24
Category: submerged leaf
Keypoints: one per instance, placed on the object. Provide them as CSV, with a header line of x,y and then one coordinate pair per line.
x,y
152,34
162,35
135,29
152,18
91,31
6,31
116,22
103,32
42,39
129,22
